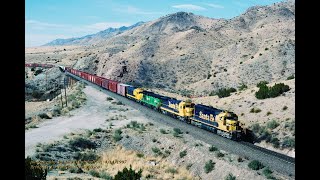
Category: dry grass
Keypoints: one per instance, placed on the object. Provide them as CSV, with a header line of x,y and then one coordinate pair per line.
x,y
118,158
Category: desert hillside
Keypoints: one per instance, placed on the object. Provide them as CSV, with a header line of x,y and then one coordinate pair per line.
x,y
184,51
183,54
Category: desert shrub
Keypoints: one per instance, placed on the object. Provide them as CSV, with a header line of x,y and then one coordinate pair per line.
x,y
154,140
176,132
266,49
255,165
255,110
285,108
189,166
212,93
275,142
86,156
75,169
163,131
255,128
272,124
209,166
140,155
156,150
219,154
119,103
136,126
171,170
225,92
56,111
213,148
230,177
36,94
269,113
290,77
109,99
34,170
267,173
38,71
105,175
239,159
117,135
183,153
262,93
288,142
265,135
242,87
262,84
94,173
128,174
97,130
278,89
44,116
80,142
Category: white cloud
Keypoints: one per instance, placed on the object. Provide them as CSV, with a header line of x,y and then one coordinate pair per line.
x,y
134,10
42,25
189,7
215,6
39,33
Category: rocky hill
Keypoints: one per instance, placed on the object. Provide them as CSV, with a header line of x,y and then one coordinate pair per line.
x,y
199,54
88,39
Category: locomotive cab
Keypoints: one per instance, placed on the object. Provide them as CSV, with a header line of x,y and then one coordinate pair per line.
x,y
189,108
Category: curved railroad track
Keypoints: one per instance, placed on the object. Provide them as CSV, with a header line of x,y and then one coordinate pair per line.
x,y
278,162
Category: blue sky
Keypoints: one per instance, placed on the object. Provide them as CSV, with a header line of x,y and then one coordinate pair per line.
x,y
46,20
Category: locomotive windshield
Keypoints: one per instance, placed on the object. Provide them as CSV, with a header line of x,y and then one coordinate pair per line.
x,y
232,116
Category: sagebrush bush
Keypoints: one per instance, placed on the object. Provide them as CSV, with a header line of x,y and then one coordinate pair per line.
x,y
242,87
171,170
213,148
271,92
288,142
255,165
230,177
262,84
220,154
80,142
128,174
86,156
34,170
209,166
183,153
163,131
290,77
272,124
225,92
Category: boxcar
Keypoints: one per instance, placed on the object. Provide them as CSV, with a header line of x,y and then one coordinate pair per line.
x,y
97,80
112,86
121,89
104,83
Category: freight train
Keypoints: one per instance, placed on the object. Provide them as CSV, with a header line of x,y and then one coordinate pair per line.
x,y
221,122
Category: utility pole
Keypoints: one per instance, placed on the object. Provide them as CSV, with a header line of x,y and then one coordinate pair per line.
x,y
65,91
61,97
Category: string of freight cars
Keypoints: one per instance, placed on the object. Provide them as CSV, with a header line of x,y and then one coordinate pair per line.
x,y
221,122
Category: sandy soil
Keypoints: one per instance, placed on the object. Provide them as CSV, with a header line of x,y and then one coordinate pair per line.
x,y
99,112
92,115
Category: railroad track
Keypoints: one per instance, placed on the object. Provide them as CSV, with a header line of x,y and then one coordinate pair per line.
x,y
283,157
278,162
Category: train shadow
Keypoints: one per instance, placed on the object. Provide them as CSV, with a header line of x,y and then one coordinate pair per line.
x,y
248,136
